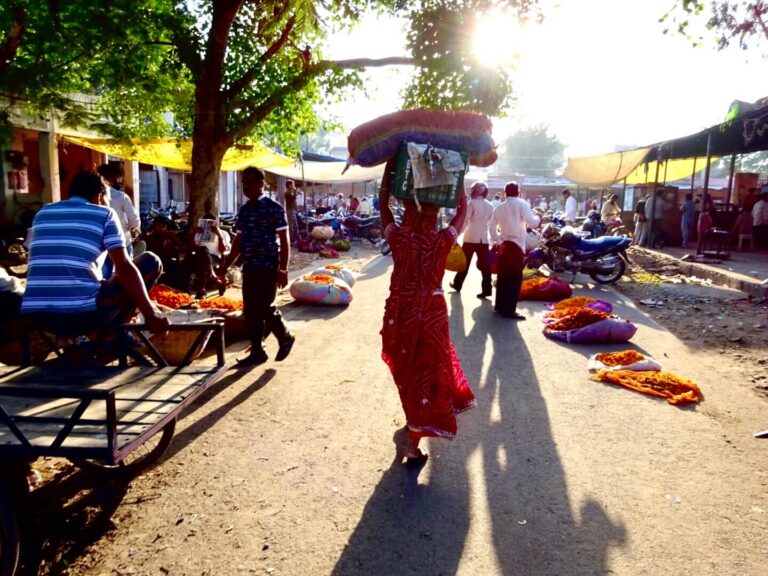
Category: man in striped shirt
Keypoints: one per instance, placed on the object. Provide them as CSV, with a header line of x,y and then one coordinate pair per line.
x,y
64,281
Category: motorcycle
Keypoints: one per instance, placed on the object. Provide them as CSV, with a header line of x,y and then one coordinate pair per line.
x,y
604,259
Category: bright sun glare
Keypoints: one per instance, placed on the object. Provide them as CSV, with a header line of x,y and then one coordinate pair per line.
x,y
498,39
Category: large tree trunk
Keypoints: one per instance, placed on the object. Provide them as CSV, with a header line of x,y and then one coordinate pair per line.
x,y
210,140
208,150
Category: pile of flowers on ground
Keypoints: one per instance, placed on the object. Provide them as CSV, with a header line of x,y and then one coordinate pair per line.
x,y
675,389
578,319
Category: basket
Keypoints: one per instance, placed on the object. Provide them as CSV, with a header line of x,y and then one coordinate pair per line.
x,y
175,345
443,195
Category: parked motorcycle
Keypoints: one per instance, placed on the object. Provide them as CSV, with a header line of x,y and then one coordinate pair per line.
x,y
604,259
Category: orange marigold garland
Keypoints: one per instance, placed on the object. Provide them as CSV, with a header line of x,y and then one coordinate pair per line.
x,y
675,389
573,302
623,358
578,319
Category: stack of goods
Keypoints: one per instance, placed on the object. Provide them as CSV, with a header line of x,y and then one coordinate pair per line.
x,y
170,298
543,288
676,390
469,133
321,289
585,325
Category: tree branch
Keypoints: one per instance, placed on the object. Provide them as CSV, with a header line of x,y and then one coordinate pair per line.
x,y
240,84
278,97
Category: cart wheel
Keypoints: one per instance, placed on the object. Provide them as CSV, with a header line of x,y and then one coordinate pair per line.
x,y
138,460
9,534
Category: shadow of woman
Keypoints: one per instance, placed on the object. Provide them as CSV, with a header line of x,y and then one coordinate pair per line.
x,y
533,528
408,527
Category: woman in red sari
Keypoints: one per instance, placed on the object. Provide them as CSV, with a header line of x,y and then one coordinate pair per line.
x,y
416,344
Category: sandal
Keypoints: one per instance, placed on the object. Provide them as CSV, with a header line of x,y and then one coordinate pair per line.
x,y
416,459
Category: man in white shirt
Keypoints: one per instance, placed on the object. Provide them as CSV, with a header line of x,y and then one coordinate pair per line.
x,y
508,229
570,207
479,212
365,207
121,203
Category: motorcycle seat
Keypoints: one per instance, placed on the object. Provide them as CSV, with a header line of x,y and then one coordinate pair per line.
x,y
601,243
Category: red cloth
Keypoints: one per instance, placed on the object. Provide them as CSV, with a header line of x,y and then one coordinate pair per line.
x,y
416,343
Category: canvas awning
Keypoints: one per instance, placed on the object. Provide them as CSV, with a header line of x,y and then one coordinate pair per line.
x,y
177,154
329,172
744,133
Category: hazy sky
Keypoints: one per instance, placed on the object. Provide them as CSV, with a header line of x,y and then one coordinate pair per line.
x,y
600,73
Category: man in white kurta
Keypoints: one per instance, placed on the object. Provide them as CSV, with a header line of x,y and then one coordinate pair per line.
x,y
479,213
509,225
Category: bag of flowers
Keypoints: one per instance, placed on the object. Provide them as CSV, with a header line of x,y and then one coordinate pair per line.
x,y
580,301
342,245
586,326
623,360
543,288
337,271
321,289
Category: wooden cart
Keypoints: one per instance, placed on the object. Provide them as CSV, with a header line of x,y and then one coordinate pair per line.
x,y
116,419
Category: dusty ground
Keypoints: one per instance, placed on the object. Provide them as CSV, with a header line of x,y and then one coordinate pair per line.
x,y
710,319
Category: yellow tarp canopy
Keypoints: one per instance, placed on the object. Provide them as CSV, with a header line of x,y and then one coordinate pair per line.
x,y
606,169
603,170
669,171
177,154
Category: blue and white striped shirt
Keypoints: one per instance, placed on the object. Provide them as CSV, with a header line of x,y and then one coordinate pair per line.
x,y
64,273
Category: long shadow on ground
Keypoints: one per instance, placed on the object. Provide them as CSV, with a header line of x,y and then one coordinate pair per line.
x,y
518,503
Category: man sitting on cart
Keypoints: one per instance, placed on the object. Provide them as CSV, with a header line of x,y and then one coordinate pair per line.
x,y
65,287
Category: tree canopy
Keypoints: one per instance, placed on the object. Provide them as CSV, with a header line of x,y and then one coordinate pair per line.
x,y
227,71
743,22
532,152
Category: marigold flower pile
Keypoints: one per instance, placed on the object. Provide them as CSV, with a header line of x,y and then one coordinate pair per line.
x,y
530,284
561,312
675,389
320,279
169,297
573,302
623,358
578,319
220,303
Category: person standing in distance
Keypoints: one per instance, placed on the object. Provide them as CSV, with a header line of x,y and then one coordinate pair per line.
x,y
260,223
479,214
570,207
290,210
508,228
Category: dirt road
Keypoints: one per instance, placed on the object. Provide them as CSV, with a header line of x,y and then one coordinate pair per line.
x,y
292,469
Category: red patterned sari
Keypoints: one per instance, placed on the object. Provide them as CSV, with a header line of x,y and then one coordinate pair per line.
x,y
416,344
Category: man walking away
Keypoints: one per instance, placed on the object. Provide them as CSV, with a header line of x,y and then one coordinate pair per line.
x,y
260,223
508,228
479,214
